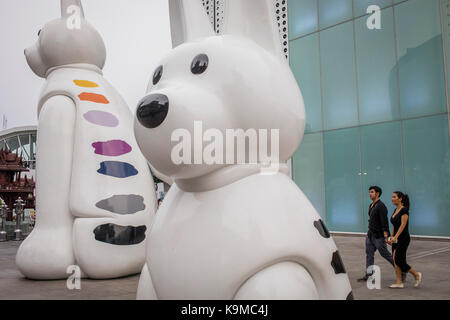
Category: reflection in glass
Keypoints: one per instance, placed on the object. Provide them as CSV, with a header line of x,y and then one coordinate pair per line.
x,y
421,68
338,77
427,174
362,5
343,181
302,17
377,71
381,157
332,12
308,171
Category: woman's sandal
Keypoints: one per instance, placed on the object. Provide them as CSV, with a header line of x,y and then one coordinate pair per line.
x,y
418,281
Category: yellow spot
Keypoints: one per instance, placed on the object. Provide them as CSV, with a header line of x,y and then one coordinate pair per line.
x,y
85,83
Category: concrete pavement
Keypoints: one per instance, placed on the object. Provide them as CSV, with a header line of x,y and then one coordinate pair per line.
x,y
432,258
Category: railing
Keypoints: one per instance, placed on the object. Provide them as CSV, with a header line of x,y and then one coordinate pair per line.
x,y
15,188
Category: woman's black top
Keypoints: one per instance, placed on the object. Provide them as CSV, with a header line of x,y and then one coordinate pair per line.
x,y
397,222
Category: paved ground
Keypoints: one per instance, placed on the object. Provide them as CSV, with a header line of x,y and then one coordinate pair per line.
x,y
432,258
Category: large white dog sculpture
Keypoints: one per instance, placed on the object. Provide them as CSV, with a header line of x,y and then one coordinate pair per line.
x,y
228,231
95,194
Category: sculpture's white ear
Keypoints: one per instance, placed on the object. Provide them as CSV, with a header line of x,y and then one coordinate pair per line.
x,y
188,21
254,19
67,9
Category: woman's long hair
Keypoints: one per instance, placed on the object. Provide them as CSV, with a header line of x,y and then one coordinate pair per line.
x,y
404,197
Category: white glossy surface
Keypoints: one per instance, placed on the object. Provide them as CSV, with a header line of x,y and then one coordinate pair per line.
x,y
227,231
68,182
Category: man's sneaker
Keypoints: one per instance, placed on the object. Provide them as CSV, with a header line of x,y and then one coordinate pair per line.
x,y
365,278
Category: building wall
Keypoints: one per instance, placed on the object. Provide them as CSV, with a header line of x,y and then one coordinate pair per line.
x,y
377,109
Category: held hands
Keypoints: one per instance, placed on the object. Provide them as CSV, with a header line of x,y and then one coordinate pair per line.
x,y
391,240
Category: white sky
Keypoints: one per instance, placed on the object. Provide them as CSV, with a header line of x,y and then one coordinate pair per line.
x,y
136,34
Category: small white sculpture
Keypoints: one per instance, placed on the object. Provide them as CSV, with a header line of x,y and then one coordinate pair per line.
x,y
94,190
230,231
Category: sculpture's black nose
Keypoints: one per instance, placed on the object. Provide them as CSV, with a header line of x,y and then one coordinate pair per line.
x,y
152,110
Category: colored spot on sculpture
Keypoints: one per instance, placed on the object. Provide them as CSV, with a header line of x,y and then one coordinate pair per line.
x,y
101,118
85,83
120,235
337,263
93,97
111,148
320,226
117,169
122,204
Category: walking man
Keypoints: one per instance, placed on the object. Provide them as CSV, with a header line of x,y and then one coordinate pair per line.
x,y
378,233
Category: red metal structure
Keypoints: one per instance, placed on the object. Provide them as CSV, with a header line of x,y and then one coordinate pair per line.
x,y
12,185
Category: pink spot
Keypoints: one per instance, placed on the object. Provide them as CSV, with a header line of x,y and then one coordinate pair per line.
x,y
112,148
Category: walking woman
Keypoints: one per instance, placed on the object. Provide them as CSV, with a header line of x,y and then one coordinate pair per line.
x,y
400,239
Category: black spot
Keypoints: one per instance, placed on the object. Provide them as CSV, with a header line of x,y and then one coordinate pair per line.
x,y
152,110
320,226
120,235
157,75
350,296
200,64
337,263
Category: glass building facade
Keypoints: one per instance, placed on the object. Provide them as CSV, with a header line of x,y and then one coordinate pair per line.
x,y
377,108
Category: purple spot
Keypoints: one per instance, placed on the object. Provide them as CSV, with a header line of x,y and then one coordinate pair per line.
x,y
101,118
111,148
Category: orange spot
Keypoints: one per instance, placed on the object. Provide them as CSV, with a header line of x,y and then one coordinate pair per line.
x,y
93,97
85,83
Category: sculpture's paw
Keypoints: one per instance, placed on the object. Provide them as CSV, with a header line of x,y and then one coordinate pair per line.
x,y
46,253
283,281
146,291
108,248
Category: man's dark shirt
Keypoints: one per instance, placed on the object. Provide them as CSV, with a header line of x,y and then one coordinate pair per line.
x,y
378,221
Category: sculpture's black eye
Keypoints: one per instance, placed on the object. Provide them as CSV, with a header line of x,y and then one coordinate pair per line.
x,y
200,64
39,32
157,75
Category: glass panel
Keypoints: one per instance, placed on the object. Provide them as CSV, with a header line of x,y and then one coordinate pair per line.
x,y
332,12
445,16
343,181
421,68
33,147
2,144
305,66
377,72
427,174
338,77
302,17
381,161
362,5
25,142
308,170
13,144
